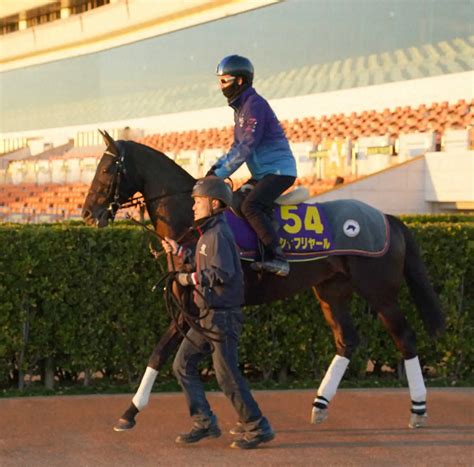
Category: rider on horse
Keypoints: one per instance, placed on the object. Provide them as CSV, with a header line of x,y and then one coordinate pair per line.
x,y
260,141
219,293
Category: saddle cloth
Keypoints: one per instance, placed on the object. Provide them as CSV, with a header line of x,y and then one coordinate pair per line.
x,y
310,230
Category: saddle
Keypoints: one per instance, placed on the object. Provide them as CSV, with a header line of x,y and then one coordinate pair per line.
x,y
296,196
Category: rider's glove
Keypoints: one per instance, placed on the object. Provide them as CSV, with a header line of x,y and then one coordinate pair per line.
x,y
185,279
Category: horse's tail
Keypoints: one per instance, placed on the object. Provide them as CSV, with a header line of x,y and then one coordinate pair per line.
x,y
421,289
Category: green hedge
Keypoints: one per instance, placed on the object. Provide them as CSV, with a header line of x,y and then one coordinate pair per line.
x,y
81,299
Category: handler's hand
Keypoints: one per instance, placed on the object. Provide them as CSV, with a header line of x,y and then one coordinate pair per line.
x,y
170,245
184,279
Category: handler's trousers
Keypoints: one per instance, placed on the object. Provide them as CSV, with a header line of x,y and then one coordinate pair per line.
x,y
228,324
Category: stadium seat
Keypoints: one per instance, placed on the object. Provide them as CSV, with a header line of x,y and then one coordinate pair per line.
x,y
415,144
209,157
189,160
455,140
301,151
42,185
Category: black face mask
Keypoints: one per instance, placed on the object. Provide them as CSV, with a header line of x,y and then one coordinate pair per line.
x,y
234,90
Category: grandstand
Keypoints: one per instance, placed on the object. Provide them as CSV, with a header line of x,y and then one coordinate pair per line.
x,y
356,119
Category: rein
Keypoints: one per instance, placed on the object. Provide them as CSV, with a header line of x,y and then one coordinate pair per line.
x,y
175,309
139,200
173,305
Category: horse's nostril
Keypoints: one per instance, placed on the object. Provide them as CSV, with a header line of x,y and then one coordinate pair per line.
x,y
87,216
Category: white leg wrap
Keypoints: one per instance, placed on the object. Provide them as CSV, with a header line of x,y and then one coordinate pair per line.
x,y
415,380
140,399
333,376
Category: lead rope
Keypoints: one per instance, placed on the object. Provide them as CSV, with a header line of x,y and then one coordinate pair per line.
x,y
173,305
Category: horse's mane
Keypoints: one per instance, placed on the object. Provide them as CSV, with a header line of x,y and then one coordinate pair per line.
x,y
168,165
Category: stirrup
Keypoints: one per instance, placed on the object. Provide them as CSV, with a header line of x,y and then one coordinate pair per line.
x,y
275,266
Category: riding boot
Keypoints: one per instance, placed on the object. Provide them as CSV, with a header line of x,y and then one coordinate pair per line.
x,y
276,264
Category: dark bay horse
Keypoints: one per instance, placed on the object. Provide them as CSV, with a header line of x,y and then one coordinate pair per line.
x,y
127,167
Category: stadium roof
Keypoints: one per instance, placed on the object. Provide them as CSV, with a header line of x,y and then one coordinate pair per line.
x,y
11,7
298,48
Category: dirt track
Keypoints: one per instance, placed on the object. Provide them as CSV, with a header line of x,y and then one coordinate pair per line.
x,y
365,427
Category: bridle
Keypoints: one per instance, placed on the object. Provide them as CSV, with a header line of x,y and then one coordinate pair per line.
x,y
139,201
172,304
115,205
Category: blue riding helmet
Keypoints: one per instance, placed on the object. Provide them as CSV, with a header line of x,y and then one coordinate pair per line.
x,y
235,65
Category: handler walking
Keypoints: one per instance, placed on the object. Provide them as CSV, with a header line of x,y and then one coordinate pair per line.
x,y
219,294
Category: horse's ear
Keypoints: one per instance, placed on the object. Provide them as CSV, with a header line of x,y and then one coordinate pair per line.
x,y
109,141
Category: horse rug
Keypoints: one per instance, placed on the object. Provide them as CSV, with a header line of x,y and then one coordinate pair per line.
x,y
310,230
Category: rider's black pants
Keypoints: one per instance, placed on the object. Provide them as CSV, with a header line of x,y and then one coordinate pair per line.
x,y
258,205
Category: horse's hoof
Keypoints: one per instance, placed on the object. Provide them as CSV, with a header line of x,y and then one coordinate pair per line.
x,y
318,415
124,425
417,421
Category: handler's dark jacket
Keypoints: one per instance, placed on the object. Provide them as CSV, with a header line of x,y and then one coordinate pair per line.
x,y
218,275
259,140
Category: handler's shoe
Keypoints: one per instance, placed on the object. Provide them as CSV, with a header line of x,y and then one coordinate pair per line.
x,y
418,420
238,429
200,432
262,433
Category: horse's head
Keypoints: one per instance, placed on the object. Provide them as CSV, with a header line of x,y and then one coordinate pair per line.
x,y
108,189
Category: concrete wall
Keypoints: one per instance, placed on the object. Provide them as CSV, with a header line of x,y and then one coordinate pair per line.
x,y
436,182
450,87
449,177
398,190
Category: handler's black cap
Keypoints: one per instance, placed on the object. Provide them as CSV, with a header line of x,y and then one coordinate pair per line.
x,y
215,188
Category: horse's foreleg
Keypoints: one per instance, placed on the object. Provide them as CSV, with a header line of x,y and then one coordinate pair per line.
x,y
334,299
165,347
405,340
139,401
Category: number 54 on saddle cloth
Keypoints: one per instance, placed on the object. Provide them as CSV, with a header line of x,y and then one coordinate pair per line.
x,y
310,230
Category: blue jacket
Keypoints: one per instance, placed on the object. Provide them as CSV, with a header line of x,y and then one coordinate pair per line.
x,y
218,277
259,140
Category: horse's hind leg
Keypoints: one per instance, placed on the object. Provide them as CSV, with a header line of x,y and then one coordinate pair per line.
x,y
405,340
378,280
334,297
